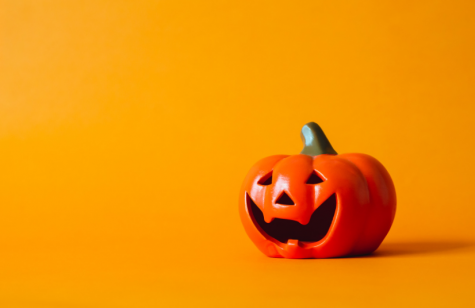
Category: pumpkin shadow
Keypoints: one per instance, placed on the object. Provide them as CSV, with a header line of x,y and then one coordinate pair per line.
x,y
415,248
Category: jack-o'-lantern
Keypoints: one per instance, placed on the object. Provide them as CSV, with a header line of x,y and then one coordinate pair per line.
x,y
317,204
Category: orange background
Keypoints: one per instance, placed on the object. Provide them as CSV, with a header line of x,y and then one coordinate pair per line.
x,y
126,128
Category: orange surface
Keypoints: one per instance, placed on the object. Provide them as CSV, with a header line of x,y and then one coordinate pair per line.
x,y
127,128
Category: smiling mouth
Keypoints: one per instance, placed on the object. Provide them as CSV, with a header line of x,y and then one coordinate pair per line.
x,y
284,229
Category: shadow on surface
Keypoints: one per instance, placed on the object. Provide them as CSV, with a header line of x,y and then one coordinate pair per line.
x,y
414,248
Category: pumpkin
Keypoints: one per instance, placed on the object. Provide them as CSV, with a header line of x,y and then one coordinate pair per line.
x,y
317,204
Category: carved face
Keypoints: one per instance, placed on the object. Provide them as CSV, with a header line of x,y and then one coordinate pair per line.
x,y
321,206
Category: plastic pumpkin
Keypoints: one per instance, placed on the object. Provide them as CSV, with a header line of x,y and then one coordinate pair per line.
x,y
317,204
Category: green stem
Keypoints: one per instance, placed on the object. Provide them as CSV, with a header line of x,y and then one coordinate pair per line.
x,y
315,141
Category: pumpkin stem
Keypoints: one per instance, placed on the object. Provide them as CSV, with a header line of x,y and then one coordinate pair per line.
x,y
315,141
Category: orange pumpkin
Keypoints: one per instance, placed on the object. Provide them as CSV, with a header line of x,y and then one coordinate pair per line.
x,y
317,204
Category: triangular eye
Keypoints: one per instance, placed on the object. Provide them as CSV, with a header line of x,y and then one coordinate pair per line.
x,y
266,179
314,178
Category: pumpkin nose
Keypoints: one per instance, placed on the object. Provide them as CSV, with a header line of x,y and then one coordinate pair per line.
x,y
285,199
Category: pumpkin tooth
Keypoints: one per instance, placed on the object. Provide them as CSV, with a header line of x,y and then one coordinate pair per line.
x,y
268,219
304,221
293,242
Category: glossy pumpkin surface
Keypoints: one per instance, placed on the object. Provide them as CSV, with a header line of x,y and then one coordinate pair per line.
x,y
317,206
